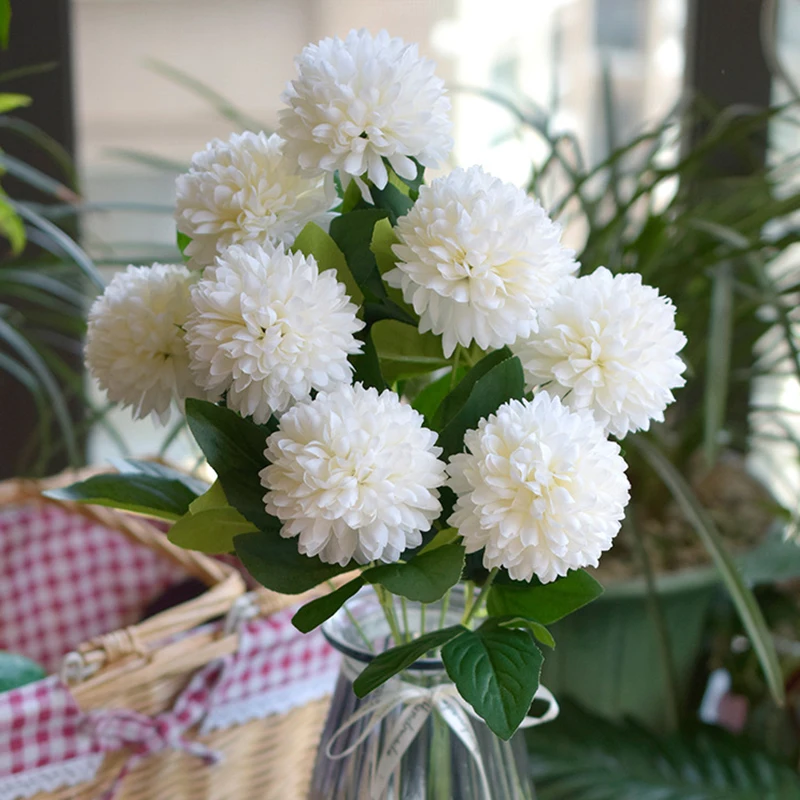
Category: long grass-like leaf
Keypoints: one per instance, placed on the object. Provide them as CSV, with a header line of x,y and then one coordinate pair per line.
x,y
218,102
60,211
38,279
720,332
44,142
171,436
149,160
64,242
610,125
742,597
24,72
772,295
37,179
38,367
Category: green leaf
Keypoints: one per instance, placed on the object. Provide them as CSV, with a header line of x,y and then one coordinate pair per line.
x,y
427,402
366,364
63,243
183,241
351,198
9,101
496,670
213,498
317,611
276,563
5,22
443,537
38,366
133,466
352,233
538,630
210,530
234,447
11,226
501,383
383,238
741,595
241,119
581,756
392,200
313,241
390,662
425,578
37,179
144,494
17,670
458,396
404,351
545,603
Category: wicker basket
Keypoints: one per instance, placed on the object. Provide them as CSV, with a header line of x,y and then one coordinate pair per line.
x,y
267,759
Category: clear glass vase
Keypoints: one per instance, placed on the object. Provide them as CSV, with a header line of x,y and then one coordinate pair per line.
x,y
367,755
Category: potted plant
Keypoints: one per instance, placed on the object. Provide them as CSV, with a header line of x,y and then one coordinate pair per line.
x,y
717,246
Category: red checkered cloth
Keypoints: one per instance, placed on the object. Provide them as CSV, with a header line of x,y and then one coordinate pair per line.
x,y
65,579
46,742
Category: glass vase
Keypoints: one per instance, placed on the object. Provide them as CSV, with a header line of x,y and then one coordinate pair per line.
x,y
402,742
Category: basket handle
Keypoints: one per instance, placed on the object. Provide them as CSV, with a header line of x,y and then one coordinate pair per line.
x,y
224,582
137,528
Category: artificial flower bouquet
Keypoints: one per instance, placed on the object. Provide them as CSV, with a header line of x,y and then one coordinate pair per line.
x,y
398,380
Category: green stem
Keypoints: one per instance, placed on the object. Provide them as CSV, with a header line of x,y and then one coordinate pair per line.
x,y
407,629
355,623
445,606
469,599
385,599
482,595
454,373
422,609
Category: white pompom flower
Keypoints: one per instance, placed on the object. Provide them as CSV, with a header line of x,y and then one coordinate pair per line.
x,y
134,340
354,475
268,328
245,190
477,257
541,488
362,100
608,343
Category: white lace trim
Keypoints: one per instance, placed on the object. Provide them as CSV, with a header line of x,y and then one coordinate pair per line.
x,y
50,777
237,712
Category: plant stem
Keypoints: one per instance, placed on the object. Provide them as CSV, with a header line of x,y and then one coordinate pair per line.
x,y
406,626
475,607
469,598
657,617
385,599
445,606
354,622
423,607
454,373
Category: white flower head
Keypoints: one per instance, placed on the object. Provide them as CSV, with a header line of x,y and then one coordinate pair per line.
x,y
608,343
359,101
477,258
353,474
134,341
245,190
268,327
541,488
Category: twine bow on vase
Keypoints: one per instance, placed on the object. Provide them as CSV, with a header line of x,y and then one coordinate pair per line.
x,y
416,704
